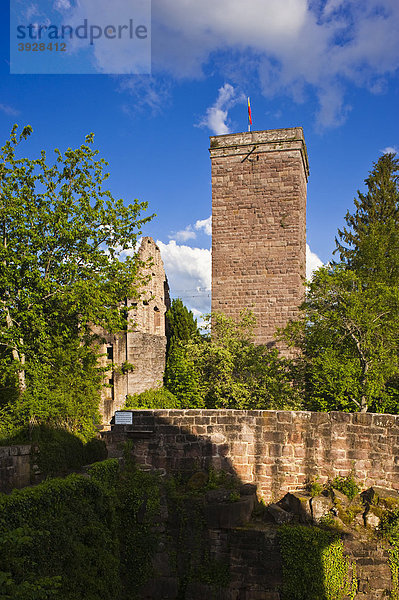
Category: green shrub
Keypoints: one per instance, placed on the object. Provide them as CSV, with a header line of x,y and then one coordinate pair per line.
x,y
389,530
161,398
80,538
58,451
347,485
315,487
62,538
94,451
138,497
105,473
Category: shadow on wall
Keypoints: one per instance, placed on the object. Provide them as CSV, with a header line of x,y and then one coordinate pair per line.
x,y
280,451
46,452
189,444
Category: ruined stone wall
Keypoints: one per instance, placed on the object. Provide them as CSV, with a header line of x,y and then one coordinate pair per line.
x,y
144,344
255,567
278,450
15,471
258,225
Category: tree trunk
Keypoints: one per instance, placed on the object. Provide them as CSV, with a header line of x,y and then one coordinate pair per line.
x,y
365,403
18,356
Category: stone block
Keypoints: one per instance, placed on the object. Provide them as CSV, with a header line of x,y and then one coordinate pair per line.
x,y
298,503
278,514
320,506
229,515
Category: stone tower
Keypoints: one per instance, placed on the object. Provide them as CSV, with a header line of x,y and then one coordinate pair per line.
x,y
144,344
259,184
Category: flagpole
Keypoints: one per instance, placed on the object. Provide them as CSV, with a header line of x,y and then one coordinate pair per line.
x,y
249,115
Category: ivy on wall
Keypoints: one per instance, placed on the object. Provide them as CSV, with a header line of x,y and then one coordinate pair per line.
x,y
61,539
79,537
314,566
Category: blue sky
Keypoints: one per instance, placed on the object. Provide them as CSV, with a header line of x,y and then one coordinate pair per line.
x,y
330,66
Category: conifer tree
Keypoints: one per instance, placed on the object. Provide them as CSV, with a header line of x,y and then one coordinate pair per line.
x,y
369,245
181,327
181,322
349,332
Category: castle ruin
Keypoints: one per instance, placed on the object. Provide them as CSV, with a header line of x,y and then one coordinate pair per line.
x,y
259,184
143,344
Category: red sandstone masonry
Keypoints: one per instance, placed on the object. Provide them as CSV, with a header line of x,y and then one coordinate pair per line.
x,y
258,225
278,450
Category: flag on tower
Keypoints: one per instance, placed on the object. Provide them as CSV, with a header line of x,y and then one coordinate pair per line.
x,y
249,116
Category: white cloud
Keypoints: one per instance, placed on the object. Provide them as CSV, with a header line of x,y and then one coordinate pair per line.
x,y
32,10
290,47
121,53
390,150
216,118
313,262
9,110
184,235
205,224
189,234
189,274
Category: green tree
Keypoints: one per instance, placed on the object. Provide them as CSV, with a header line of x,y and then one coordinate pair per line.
x,y
348,335
62,236
369,245
181,327
227,370
181,323
349,330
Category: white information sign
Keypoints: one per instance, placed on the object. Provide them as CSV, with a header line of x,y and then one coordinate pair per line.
x,y
123,417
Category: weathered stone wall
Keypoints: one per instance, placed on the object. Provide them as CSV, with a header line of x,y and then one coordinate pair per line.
x,y
278,450
144,344
258,225
15,469
255,567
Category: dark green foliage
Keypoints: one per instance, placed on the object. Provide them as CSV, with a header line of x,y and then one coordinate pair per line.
x,y
227,370
56,451
80,538
18,580
370,243
64,538
389,526
59,452
138,497
314,567
182,376
181,324
106,473
349,330
348,336
192,559
161,398
94,451
389,530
